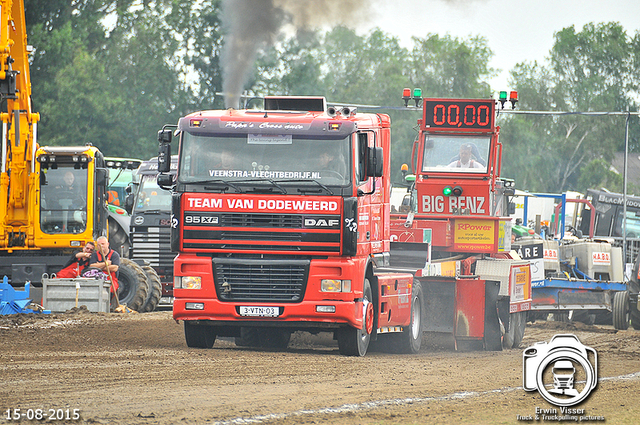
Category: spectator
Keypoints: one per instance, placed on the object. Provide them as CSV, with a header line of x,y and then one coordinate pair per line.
x,y
107,260
78,262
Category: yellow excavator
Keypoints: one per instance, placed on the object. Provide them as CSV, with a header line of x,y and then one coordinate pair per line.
x,y
53,199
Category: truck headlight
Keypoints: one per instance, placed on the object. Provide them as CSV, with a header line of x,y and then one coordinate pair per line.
x,y
187,282
335,285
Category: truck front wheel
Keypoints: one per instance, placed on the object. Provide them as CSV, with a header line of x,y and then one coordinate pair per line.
x,y
355,342
199,336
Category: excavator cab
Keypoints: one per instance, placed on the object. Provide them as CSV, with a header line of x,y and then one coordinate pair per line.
x,y
71,197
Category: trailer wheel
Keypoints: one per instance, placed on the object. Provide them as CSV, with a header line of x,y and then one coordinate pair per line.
x,y
154,289
621,310
352,341
517,324
410,340
199,336
132,283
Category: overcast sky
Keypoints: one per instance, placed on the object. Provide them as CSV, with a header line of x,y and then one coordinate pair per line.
x,y
516,30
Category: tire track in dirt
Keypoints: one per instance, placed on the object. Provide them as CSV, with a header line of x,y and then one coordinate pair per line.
x,y
371,405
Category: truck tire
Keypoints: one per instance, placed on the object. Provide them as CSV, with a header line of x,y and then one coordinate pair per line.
x,y
621,310
132,282
513,337
410,340
199,336
352,341
249,337
275,338
154,289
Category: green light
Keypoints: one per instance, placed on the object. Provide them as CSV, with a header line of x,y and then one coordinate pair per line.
x,y
417,92
503,95
447,191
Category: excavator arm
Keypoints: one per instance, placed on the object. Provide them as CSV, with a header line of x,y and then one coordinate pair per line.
x,y
18,180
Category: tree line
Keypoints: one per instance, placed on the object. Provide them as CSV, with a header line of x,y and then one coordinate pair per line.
x,y
112,72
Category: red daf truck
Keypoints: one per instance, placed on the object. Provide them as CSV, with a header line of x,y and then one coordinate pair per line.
x,y
280,217
475,288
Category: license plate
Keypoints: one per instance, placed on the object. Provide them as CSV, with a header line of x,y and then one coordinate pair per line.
x,y
259,311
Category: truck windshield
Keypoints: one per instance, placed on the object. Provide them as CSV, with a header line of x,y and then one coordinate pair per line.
x,y
151,197
455,153
63,199
252,157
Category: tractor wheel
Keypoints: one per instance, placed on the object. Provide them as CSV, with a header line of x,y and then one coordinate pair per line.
x,y
517,324
621,310
352,341
118,238
199,336
155,289
410,340
132,282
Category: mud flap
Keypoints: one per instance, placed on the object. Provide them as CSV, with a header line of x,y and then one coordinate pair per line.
x,y
492,333
439,300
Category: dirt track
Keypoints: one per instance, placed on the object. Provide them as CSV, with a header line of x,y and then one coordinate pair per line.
x,y
136,369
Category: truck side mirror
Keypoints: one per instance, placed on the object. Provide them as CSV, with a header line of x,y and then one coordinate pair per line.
x,y
512,208
375,164
102,176
164,158
128,203
165,181
165,136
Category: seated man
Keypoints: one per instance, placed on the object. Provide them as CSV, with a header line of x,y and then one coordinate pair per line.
x,y
78,262
69,194
466,159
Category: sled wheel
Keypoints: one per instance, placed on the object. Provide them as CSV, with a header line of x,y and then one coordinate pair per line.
x,y
517,324
621,310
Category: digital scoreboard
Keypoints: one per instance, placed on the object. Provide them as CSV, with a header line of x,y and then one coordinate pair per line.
x,y
459,114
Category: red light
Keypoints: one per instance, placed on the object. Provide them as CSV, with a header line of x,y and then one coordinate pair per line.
x,y
406,93
513,95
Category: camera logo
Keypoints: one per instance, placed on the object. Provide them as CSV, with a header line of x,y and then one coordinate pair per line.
x,y
560,370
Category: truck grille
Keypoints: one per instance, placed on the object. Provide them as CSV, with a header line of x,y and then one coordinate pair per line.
x,y
153,245
260,280
261,220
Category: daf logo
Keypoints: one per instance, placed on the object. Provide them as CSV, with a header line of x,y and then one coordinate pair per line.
x,y
320,222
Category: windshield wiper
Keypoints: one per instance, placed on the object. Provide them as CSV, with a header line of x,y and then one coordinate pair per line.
x,y
282,189
301,190
228,183
151,211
